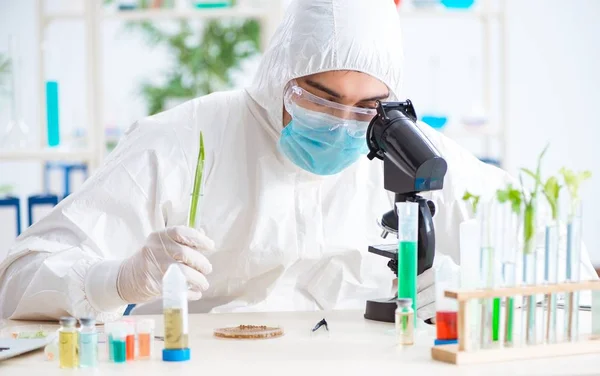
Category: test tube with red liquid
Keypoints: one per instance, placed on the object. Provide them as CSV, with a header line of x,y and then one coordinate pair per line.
x,y
446,320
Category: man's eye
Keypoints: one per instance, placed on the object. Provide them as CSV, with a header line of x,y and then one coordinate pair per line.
x,y
371,106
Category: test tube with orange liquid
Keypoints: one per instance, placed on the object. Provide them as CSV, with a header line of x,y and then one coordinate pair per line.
x,y
145,336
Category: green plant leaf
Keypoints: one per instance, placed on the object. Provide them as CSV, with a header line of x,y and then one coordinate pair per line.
x,y
529,226
552,191
511,195
474,200
203,60
516,200
573,183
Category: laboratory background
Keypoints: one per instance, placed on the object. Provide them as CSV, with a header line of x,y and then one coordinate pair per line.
x,y
502,78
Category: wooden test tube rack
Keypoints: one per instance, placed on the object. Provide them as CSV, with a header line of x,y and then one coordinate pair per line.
x,y
458,354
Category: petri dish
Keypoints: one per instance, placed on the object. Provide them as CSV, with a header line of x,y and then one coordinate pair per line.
x,y
249,332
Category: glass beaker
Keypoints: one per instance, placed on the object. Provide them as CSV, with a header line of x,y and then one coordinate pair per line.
x,y
16,133
446,309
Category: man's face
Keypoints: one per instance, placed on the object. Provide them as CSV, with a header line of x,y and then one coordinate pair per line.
x,y
349,88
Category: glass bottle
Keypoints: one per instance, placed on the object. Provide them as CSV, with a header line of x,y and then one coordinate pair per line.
x,y
67,343
88,343
405,322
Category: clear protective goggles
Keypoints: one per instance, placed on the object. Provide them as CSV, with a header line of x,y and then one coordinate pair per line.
x,y
354,119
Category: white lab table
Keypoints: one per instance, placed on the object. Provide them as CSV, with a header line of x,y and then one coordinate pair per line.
x,y
353,346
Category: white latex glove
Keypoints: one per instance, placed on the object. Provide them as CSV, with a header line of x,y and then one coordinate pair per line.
x,y
140,276
425,294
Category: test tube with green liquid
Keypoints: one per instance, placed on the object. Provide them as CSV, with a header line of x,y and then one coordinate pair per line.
x,y
408,231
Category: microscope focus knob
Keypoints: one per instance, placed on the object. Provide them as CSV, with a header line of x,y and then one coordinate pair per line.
x,y
431,207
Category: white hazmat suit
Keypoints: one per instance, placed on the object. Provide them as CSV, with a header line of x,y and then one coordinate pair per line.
x,y
280,238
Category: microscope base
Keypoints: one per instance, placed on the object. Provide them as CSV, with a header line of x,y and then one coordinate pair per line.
x,y
383,310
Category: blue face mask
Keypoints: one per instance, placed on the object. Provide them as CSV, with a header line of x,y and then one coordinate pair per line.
x,y
321,143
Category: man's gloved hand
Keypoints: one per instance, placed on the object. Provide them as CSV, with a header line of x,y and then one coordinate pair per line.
x,y
140,276
425,294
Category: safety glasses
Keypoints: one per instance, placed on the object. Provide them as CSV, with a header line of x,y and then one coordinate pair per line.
x,y
296,95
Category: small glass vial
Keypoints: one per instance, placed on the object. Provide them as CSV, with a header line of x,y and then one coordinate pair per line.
x,y
130,340
88,343
67,343
175,312
119,335
145,336
405,322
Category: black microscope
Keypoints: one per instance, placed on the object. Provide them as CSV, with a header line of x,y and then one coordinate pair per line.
x,y
411,164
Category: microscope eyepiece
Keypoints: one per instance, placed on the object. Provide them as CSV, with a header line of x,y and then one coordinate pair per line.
x,y
394,137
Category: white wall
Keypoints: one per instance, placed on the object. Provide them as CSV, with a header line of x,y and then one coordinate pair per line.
x,y
554,55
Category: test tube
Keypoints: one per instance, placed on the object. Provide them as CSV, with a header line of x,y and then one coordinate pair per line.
x,y
67,343
446,309
175,312
408,231
470,260
119,335
145,335
88,343
573,271
509,250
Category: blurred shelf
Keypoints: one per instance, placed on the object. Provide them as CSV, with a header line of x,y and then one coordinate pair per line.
x,y
167,14
46,155
472,132
63,16
441,12
247,12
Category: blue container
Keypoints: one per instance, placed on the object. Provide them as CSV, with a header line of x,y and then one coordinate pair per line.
x,y
458,4
52,115
14,202
46,200
435,122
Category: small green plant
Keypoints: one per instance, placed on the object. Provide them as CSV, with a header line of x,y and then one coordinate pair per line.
x,y
472,199
573,182
552,192
529,202
512,195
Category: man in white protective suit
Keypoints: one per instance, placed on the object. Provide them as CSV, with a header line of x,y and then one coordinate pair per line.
x,y
290,201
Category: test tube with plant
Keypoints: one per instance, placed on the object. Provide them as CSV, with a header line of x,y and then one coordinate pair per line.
x,y
551,190
529,252
511,200
552,244
572,181
484,212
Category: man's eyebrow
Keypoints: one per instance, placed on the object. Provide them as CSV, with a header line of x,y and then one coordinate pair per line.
x,y
324,89
375,98
335,94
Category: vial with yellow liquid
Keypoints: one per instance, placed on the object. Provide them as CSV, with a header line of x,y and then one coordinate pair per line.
x,y
175,312
67,343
